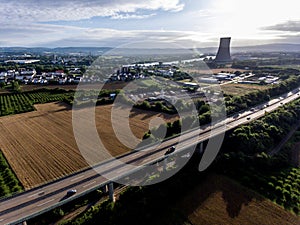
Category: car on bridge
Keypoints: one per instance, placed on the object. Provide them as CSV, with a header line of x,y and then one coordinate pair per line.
x,y
170,150
71,192
236,116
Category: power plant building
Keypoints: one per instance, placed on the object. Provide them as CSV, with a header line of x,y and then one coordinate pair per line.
x,y
223,55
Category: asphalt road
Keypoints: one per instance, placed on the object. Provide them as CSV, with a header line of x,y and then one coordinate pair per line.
x,y
44,198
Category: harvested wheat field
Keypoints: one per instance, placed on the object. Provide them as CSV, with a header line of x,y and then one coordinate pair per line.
x,y
220,200
40,145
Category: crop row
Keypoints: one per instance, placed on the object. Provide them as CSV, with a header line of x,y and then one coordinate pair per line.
x,y
9,183
23,102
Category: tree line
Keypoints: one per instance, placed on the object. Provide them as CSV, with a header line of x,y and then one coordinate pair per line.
x,y
9,183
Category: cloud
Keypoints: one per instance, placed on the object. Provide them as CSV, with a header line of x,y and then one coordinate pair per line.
x,y
132,16
100,22
35,35
45,10
292,26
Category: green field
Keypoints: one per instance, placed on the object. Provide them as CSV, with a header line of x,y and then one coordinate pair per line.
x,y
242,89
13,103
148,82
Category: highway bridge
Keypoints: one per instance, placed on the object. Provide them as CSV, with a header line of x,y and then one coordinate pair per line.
x,y
21,207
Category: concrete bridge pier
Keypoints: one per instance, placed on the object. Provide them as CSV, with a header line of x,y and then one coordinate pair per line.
x,y
105,189
111,192
200,148
23,223
109,188
165,162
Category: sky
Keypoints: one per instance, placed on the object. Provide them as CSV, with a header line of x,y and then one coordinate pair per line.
x,y
113,23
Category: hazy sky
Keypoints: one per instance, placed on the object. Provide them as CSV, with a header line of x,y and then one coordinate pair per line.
x,y
189,23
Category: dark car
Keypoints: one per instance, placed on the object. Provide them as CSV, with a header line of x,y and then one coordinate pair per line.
x,y
170,150
71,192
235,116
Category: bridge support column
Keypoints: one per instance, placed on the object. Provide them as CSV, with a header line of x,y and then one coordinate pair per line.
x,y
105,188
23,223
201,148
165,162
111,192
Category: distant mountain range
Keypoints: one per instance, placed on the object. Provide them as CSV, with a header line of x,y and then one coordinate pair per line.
x,y
61,50
278,47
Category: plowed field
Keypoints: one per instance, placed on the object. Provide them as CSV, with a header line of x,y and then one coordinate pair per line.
x,y
40,145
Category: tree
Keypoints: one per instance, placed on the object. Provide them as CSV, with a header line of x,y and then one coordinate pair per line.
x,y
237,73
2,84
203,109
15,86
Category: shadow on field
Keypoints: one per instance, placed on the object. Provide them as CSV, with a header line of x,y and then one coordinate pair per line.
x,y
67,106
218,193
235,198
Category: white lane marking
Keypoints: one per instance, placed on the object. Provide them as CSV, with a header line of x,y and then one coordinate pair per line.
x,y
1,220
44,203
89,184
77,178
40,193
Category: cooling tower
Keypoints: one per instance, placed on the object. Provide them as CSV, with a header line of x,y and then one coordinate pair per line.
x,y
223,55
